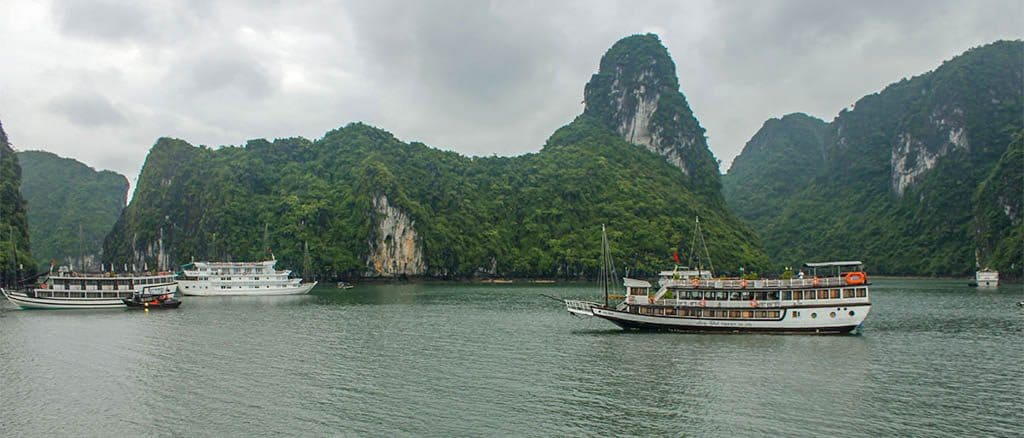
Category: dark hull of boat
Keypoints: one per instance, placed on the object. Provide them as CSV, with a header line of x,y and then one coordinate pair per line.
x,y
677,327
169,304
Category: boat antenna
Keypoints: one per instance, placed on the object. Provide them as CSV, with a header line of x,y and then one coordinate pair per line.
x,y
608,273
698,235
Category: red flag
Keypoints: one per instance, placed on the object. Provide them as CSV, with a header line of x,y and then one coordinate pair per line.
x,y
675,256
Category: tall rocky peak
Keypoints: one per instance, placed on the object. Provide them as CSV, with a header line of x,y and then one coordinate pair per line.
x,y
636,93
14,234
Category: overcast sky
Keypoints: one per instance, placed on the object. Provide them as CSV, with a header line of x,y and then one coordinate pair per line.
x,y
101,80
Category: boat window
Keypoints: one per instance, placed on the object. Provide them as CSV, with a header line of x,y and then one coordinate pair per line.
x,y
814,314
852,313
721,295
848,293
822,294
773,295
832,314
734,296
734,313
745,295
862,292
761,314
798,295
773,314
834,294
796,313
748,313
787,295
93,294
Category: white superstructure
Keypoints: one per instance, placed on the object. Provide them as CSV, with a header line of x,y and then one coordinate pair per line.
x,y
228,278
987,278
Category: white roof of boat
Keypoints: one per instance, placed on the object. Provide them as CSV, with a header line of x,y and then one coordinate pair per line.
x,y
632,282
832,264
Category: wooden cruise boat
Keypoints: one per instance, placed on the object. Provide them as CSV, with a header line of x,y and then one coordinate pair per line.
x,y
251,278
105,290
835,302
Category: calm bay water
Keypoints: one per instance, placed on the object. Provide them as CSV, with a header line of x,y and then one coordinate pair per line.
x,y
936,357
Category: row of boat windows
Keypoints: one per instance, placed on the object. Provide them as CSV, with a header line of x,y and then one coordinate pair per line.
x,y
58,294
787,295
109,284
708,313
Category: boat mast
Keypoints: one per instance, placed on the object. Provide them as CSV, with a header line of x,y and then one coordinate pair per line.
x,y
604,264
698,235
608,273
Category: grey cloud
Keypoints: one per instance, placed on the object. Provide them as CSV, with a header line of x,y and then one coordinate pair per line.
x,y
102,19
86,109
479,77
228,69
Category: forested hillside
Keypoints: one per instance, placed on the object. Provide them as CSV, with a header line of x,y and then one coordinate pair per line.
x,y
360,202
71,207
899,177
15,258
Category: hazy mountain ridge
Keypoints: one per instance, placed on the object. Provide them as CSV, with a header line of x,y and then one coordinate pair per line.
x,y
71,207
900,169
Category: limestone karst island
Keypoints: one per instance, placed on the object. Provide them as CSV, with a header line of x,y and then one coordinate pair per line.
x,y
499,219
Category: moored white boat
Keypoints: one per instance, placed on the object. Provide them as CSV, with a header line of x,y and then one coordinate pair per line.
x,y
72,290
229,278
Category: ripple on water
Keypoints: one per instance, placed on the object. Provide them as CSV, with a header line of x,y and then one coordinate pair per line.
x,y
464,359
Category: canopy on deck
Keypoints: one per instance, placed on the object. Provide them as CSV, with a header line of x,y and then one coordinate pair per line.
x,y
833,264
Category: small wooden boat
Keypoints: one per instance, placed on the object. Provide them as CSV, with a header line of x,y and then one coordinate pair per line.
x,y
151,301
344,285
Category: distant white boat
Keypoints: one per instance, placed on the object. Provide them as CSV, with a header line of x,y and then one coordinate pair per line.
x,y
228,278
985,278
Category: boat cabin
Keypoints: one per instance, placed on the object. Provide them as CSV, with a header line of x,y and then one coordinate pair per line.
x,y
637,291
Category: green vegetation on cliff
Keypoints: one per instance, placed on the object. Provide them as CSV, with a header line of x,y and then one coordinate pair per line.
x,y
898,172
367,204
999,213
534,215
14,236
71,207
769,169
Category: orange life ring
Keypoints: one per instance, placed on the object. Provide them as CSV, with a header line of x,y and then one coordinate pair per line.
x,y
695,282
753,303
856,278
817,281
743,283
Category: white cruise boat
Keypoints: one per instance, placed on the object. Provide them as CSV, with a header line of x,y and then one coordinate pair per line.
x,y
834,303
72,290
986,278
227,278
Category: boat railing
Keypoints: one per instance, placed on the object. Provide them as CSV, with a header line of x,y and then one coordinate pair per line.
x,y
582,306
754,304
736,283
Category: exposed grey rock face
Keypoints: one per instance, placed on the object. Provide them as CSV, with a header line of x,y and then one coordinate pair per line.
x,y
395,248
636,94
912,157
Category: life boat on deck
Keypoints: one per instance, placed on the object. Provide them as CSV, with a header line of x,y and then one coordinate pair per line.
x,y
854,278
